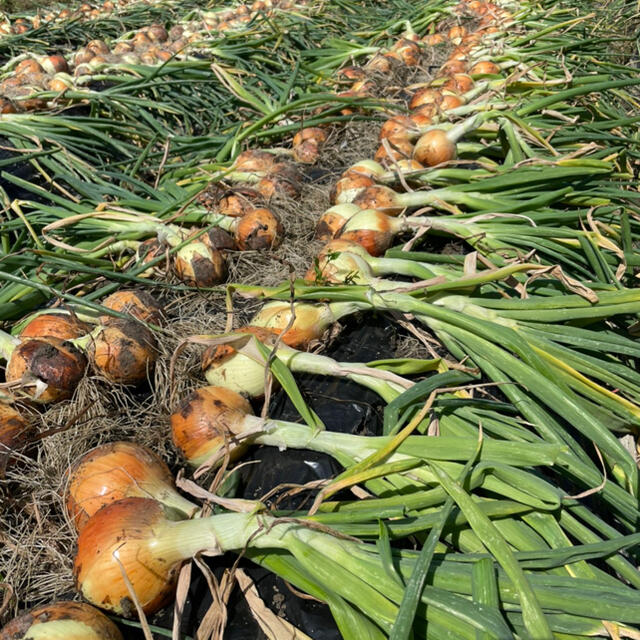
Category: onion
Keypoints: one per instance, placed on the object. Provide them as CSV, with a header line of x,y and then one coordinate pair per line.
x,y
251,161
225,366
369,168
14,436
218,239
456,34
310,323
205,422
283,180
426,95
124,351
434,39
459,82
379,63
306,152
115,471
352,73
333,219
408,51
237,203
98,47
122,47
157,33
348,187
56,367
199,265
379,197
434,147
54,64
61,621
484,67
62,325
259,229
6,106
135,302
28,66
60,82
83,56
395,149
371,229
316,134
396,127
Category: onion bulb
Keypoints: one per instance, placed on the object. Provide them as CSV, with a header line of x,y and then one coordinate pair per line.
x,y
434,147
310,323
224,365
259,229
199,265
333,219
62,325
55,366
61,621
115,471
347,188
484,67
134,302
14,435
124,351
252,161
206,423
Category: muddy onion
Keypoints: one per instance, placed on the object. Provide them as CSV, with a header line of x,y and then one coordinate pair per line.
x,y
207,422
124,351
115,471
259,229
61,621
199,265
56,366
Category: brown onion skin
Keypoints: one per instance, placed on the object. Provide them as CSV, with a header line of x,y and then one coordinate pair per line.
x,y
316,134
379,197
259,230
484,67
79,612
134,302
108,473
125,526
218,239
201,271
434,148
14,435
124,351
396,127
395,149
350,183
254,161
64,326
56,362
208,420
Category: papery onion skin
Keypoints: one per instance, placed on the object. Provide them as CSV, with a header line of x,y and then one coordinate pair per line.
x,y
64,326
114,471
61,621
208,421
379,197
134,302
126,530
370,229
124,351
57,363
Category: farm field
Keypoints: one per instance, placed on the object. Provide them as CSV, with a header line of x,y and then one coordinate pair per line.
x,y
319,320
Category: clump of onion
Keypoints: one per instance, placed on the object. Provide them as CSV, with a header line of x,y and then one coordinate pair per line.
x,y
123,351
115,471
134,302
56,324
199,265
49,369
14,436
309,322
61,621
